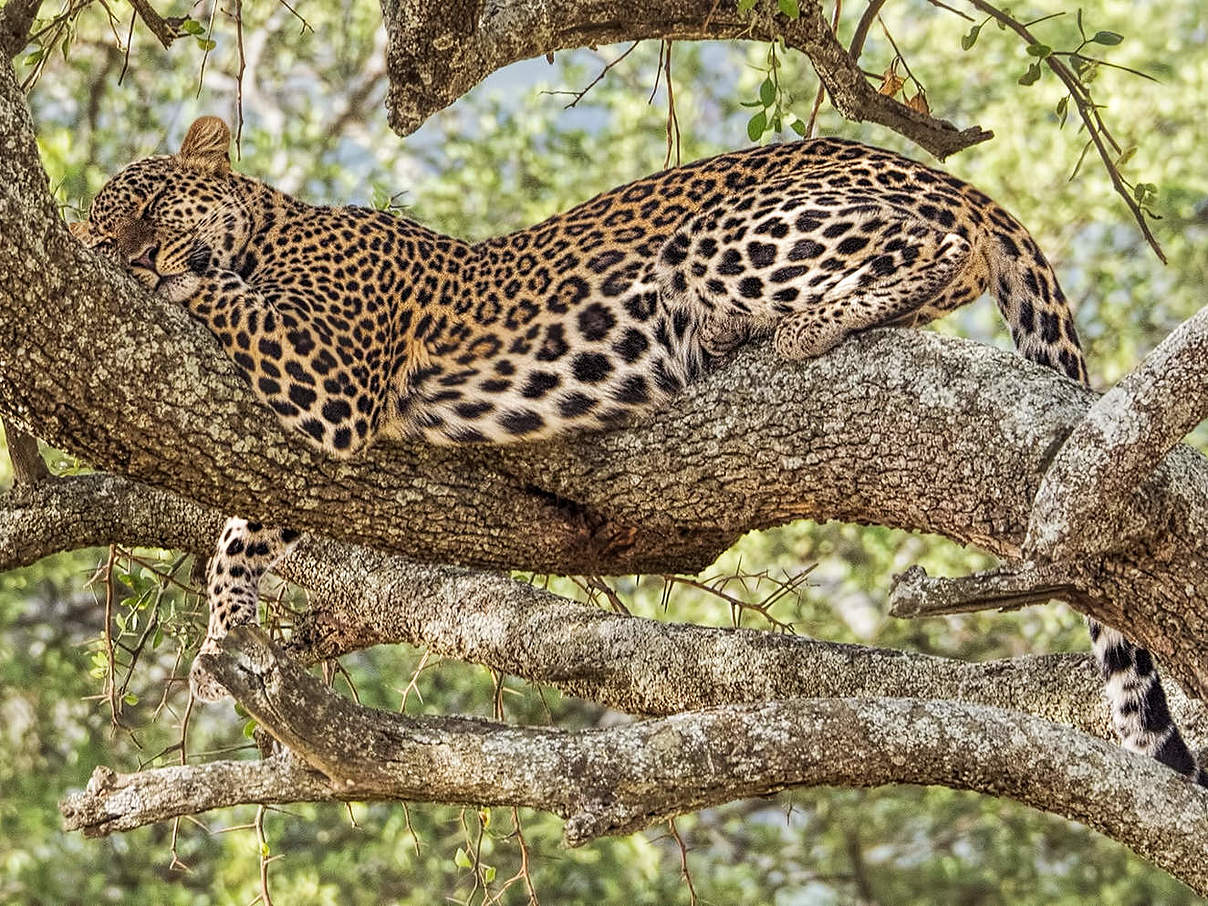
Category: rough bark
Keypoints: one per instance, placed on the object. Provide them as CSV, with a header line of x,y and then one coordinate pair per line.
x,y
16,19
1087,503
360,598
439,50
623,778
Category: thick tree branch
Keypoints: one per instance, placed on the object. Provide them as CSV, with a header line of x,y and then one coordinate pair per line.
x,y
28,465
623,778
16,19
361,598
439,50
1088,502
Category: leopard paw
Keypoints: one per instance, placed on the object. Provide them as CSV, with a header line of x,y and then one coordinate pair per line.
x,y
205,685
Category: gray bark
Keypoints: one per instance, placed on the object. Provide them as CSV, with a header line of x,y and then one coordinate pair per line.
x,y
439,50
623,778
359,598
1088,502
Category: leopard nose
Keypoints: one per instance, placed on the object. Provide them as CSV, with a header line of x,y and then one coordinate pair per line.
x,y
146,259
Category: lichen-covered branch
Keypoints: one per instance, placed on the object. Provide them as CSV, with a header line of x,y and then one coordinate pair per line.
x,y
915,594
1090,501
623,778
361,598
439,50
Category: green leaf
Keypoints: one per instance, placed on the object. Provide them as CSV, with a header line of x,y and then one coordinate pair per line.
x,y
790,8
757,125
249,728
967,41
461,859
1126,155
1032,76
206,44
745,6
192,27
488,873
1145,192
130,698
767,93
1063,108
799,127
1039,50
1108,38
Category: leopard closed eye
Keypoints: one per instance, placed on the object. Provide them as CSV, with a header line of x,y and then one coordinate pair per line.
x,y
353,324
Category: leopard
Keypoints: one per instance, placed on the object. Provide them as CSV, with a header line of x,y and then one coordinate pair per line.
x,y
356,325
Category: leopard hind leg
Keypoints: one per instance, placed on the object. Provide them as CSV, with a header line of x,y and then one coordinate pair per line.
x,y
246,551
814,275
885,289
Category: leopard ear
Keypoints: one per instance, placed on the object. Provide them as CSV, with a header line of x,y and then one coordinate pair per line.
x,y
205,146
79,229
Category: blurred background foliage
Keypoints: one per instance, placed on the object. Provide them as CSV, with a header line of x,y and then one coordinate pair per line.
x,y
503,157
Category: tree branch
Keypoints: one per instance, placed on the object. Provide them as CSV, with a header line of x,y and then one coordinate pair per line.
x,y
898,428
361,598
28,465
439,50
623,778
914,594
16,19
1088,503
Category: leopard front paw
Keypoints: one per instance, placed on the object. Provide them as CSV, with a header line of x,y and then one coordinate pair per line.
x,y
205,685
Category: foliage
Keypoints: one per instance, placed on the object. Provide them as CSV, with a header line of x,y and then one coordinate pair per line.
x,y
505,156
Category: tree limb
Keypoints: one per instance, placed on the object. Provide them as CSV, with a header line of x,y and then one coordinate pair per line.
x,y
1088,502
439,50
623,778
360,598
915,594
28,465
16,19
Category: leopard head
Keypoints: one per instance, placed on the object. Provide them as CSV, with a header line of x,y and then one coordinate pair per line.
x,y
163,216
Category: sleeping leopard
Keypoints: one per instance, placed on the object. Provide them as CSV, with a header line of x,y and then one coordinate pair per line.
x,y
353,324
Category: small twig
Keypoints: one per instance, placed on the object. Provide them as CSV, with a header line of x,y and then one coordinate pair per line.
x,y
914,594
579,95
812,123
898,56
110,678
683,851
1099,134
238,17
672,119
265,858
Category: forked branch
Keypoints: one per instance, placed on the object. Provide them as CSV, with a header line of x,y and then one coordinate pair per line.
x,y
439,50
623,778
1088,503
